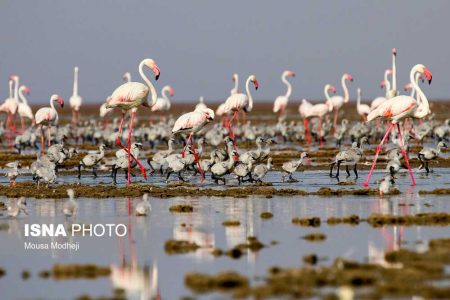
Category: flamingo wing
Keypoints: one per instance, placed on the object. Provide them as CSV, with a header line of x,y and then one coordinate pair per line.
x,y
188,122
236,102
280,102
44,115
129,94
394,108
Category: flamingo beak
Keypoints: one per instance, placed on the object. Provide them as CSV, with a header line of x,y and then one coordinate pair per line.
x,y
394,51
428,75
61,101
171,92
292,74
256,84
156,71
382,84
27,90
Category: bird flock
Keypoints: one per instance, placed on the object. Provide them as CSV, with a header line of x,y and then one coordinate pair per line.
x,y
390,119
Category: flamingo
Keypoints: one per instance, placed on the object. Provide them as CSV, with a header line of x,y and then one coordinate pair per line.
x,y
201,104
75,100
385,83
235,89
362,109
393,92
303,109
163,103
398,108
240,102
191,123
321,109
48,116
338,101
220,109
129,96
281,102
24,110
9,106
104,112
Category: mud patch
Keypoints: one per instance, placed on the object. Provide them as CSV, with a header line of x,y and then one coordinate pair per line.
x,y
172,247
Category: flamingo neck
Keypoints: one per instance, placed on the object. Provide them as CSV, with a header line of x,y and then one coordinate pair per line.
x,y
164,93
327,96
16,89
423,107
289,86
413,91
394,74
388,88
52,105
170,146
236,84
358,100
250,98
10,89
75,82
149,83
345,89
22,97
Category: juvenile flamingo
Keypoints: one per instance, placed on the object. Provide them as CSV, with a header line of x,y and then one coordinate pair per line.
x,y
48,116
163,103
398,108
240,102
24,110
191,123
129,96
338,101
321,109
281,102
75,100
362,109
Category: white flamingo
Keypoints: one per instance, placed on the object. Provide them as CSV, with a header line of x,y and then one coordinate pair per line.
x,y
240,102
235,89
191,123
321,109
338,101
393,92
398,108
362,109
384,84
128,97
24,110
9,106
75,100
48,116
163,103
104,112
281,102
201,104
303,109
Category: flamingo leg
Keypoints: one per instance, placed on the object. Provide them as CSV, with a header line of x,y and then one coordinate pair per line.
x,y
335,120
42,141
230,128
118,142
49,135
405,155
189,140
22,123
308,135
129,147
152,120
198,162
366,182
320,133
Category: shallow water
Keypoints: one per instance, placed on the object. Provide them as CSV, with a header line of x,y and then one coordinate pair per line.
x,y
144,246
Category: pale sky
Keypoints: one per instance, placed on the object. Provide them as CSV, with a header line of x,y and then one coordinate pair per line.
x,y
199,44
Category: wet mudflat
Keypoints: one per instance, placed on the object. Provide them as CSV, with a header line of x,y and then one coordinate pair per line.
x,y
143,257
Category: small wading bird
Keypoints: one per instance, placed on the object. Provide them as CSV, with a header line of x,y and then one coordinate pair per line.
x,y
348,158
143,208
386,185
398,108
240,102
291,166
48,116
191,123
75,100
70,207
128,97
428,154
281,102
92,160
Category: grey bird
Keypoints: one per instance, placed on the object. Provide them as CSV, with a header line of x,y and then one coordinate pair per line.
x,y
92,160
262,169
428,154
348,158
291,166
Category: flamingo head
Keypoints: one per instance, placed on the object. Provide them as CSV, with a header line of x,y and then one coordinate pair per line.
x,y
288,73
235,77
126,76
388,72
348,77
427,74
394,51
150,63
76,69
235,155
331,88
26,90
209,114
58,99
14,78
408,86
254,81
171,92
383,84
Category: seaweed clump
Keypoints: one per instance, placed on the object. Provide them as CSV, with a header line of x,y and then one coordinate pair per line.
x,y
351,220
222,282
75,271
315,237
421,219
181,208
266,215
231,223
306,222
179,247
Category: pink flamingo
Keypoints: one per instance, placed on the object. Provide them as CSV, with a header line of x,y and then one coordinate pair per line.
x,y
163,103
281,102
321,109
104,112
398,108
191,123
240,102
303,109
48,116
24,110
10,105
338,101
129,96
